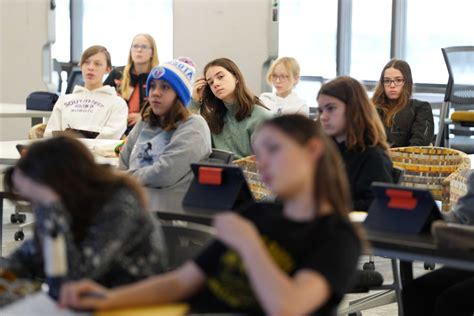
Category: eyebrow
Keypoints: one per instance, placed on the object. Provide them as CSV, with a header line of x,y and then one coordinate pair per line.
x,y
397,77
326,105
219,72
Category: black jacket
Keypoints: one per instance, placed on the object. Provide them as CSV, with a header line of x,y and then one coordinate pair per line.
x,y
412,126
115,77
363,168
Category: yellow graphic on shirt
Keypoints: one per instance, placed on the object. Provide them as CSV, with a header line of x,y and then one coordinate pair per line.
x,y
232,286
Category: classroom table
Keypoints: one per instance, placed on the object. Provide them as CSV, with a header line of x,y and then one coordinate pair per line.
x,y
384,244
9,155
11,110
40,303
422,247
404,247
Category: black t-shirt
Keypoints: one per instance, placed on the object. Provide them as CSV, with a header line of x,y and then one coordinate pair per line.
x,y
327,245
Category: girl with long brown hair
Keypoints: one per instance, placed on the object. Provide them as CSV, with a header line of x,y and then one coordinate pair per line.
x,y
130,80
161,147
102,215
407,121
294,258
347,115
229,107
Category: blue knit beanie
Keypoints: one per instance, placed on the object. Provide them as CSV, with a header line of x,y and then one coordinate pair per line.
x,y
179,73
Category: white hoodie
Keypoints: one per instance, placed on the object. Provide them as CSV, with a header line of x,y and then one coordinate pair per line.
x,y
292,104
99,110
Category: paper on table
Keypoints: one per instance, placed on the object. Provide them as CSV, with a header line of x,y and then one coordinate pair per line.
x,y
155,310
37,305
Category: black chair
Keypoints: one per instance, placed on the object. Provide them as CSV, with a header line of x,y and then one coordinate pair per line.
x,y
459,97
220,156
185,240
397,175
368,279
21,207
74,79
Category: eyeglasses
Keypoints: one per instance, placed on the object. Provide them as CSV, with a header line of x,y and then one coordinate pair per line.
x,y
138,46
279,77
397,82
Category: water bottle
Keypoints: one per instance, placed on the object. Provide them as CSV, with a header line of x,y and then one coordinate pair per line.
x,y
55,260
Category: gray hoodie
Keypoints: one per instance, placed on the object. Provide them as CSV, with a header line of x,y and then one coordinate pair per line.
x,y
463,211
162,159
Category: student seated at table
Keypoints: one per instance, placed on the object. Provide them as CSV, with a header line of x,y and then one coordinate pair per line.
x,y
229,107
347,115
130,80
284,75
445,291
94,107
109,235
294,258
161,146
407,121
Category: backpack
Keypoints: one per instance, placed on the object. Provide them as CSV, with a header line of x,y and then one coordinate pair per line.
x,y
41,101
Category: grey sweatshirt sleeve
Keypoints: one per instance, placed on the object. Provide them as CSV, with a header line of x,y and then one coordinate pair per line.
x,y
124,157
191,142
463,211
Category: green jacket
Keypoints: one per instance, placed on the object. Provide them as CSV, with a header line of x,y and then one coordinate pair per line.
x,y
236,136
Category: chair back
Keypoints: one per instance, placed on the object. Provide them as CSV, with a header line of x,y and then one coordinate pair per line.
x,y
74,79
460,63
221,156
184,240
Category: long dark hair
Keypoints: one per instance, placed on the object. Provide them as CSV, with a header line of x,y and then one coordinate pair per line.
x,y
330,181
392,107
68,167
363,124
214,110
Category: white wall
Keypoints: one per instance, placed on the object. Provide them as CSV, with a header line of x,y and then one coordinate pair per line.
x,y
237,29
23,33
200,29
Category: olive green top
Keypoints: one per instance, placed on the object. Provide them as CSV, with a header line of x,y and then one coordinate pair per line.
x,y
236,136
